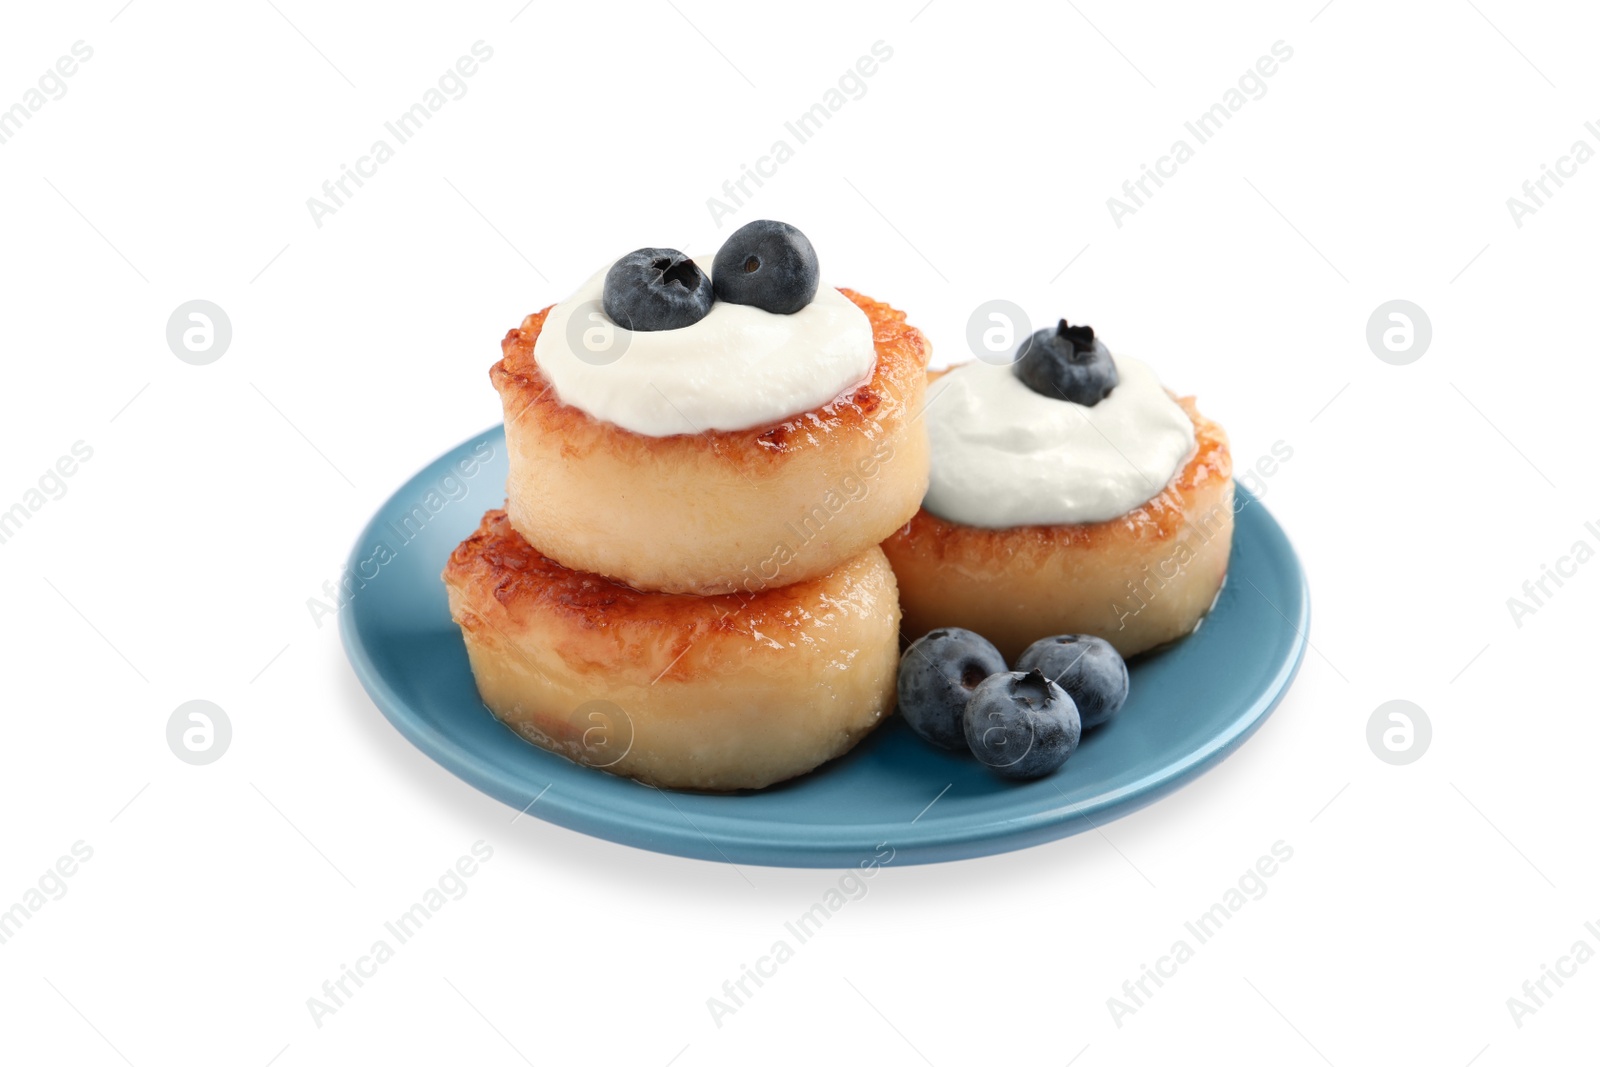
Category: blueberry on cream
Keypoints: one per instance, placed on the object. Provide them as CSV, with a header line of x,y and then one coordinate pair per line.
x,y
703,354
1068,363
656,289
769,265
1007,454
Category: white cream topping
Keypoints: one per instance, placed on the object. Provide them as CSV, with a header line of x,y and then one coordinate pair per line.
x,y
737,368
1006,456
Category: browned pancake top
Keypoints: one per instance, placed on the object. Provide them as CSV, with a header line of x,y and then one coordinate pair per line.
x,y
496,561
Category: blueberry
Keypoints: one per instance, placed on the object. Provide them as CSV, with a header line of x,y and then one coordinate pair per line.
x,y
1088,668
1020,724
766,264
1067,363
656,289
937,676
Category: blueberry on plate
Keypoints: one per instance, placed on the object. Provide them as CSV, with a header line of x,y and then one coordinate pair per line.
x,y
937,676
1067,363
766,264
1021,725
1088,668
656,289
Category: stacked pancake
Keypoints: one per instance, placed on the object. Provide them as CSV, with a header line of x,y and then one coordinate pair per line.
x,y
677,593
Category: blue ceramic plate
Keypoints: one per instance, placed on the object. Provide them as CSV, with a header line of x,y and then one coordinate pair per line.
x,y
1190,706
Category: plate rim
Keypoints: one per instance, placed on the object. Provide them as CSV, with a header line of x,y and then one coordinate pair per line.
x,y
801,844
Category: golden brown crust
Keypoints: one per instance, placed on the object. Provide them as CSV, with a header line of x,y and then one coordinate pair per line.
x,y
1159,519
902,353
497,562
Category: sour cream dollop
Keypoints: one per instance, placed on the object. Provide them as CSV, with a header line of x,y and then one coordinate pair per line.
x,y
1004,455
737,368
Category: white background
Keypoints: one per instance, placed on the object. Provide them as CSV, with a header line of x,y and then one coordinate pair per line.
x,y
178,563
